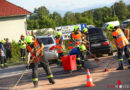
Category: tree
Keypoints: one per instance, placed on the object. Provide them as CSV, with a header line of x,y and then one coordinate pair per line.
x,y
121,10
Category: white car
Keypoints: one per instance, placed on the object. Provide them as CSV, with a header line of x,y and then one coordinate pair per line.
x,y
49,41
125,23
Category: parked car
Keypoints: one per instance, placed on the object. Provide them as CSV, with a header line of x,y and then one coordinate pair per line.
x,y
49,41
90,26
125,23
99,43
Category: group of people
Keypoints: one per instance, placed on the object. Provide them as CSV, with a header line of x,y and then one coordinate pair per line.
x,y
5,53
78,44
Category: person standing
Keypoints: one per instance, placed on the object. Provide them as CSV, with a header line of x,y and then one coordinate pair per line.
x,y
22,45
35,49
59,47
2,56
121,43
8,47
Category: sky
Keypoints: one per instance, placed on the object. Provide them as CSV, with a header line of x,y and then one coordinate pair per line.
x,y
63,6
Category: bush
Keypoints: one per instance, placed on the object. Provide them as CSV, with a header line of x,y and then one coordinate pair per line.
x,y
15,53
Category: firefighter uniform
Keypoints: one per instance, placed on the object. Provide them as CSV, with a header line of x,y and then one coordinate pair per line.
x,y
22,46
78,51
122,45
59,47
77,37
37,56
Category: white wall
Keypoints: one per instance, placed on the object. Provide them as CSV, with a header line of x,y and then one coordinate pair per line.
x,y
12,27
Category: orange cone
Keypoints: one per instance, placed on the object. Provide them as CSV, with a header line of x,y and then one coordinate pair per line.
x,y
106,70
89,82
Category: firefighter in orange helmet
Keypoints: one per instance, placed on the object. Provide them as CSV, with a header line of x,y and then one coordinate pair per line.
x,y
22,45
35,49
59,47
121,43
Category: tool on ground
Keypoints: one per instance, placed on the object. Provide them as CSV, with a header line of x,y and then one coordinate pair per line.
x,y
89,82
22,74
95,58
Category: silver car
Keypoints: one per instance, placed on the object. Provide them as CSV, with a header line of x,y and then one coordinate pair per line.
x,y
49,41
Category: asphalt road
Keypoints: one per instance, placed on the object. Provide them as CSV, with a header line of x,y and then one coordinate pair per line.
x,y
8,77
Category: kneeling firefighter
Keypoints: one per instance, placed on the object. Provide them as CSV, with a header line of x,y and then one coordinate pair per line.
x,y
35,49
80,57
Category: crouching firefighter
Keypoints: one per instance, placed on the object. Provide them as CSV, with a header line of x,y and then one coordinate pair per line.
x,y
79,52
121,43
35,49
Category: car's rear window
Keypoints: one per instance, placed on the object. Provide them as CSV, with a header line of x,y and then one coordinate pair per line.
x,y
98,37
95,31
47,40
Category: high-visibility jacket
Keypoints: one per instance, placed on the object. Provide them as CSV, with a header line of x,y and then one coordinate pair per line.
x,y
58,46
121,40
71,44
36,52
22,44
77,38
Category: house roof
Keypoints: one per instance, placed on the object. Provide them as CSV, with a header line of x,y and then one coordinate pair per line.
x,y
9,9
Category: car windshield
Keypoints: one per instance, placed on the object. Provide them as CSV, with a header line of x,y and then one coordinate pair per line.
x,y
47,40
96,37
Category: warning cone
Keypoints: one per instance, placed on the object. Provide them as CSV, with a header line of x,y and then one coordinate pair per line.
x,y
89,82
106,70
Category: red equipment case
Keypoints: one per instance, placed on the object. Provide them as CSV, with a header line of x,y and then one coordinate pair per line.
x,y
69,62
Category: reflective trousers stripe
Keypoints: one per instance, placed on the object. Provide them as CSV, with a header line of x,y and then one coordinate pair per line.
x,y
50,76
120,59
35,79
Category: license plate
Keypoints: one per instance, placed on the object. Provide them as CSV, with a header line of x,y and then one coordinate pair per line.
x,y
96,45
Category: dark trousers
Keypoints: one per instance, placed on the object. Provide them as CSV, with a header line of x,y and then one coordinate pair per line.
x,y
44,63
2,60
125,50
22,51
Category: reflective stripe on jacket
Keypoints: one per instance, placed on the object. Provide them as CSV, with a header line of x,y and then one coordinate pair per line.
x,y
36,52
71,44
120,38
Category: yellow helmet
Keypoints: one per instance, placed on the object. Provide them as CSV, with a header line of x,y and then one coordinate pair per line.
x,y
82,47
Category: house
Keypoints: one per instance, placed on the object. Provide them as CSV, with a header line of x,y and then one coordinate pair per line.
x,y
12,21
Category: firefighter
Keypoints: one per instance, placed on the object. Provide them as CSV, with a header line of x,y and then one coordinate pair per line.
x,y
76,36
121,43
79,52
84,37
22,45
59,47
35,49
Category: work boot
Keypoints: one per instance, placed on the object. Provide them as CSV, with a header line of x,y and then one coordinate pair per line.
x,y
2,66
120,66
51,80
35,84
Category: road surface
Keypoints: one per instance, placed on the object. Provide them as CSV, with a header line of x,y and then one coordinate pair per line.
x,y
69,81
